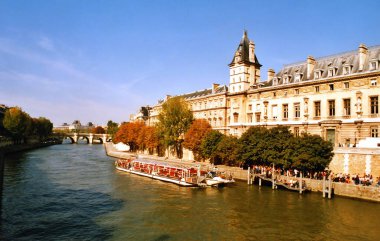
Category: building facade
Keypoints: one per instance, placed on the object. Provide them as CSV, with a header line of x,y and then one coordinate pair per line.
x,y
336,97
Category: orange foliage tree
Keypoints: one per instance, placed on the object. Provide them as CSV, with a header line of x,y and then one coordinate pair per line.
x,y
128,133
98,130
194,136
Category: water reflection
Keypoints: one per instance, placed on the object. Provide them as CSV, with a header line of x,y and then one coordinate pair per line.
x,y
72,192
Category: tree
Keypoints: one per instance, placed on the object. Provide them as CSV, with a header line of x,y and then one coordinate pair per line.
x,y
151,140
128,134
227,151
42,127
194,136
311,153
17,122
254,143
98,130
210,143
112,128
174,120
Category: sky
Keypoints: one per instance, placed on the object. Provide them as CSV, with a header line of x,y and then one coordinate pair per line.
x,y
100,60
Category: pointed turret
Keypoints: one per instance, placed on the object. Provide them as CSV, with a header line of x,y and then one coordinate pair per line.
x,y
245,67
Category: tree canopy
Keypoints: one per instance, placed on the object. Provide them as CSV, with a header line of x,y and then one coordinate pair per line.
x,y
210,143
128,133
194,136
42,127
17,122
174,118
112,128
98,130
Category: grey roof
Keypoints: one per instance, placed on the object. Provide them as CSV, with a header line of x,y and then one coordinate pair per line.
x,y
205,92
243,51
337,61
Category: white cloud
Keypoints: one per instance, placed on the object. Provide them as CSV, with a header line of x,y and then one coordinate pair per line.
x,y
46,44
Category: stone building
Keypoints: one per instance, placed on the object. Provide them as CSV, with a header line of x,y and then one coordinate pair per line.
x,y
336,97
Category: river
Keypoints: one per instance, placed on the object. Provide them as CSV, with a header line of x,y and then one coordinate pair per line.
x,y
73,192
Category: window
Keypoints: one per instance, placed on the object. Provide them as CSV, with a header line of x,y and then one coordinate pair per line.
x,y
317,74
297,131
236,117
297,91
258,117
250,107
274,111
374,132
275,81
346,85
285,111
331,72
331,107
317,108
274,94
347,69
373,82
373,65
346,107
257,107
298,78
250,118
331,86
297,110
286,80
374,101
317,89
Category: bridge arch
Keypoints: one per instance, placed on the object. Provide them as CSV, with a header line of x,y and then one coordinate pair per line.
x,y
70,138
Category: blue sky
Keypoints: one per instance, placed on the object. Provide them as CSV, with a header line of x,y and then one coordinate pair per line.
x,y
99,60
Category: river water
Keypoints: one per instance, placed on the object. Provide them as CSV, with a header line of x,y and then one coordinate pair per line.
x,y
73,192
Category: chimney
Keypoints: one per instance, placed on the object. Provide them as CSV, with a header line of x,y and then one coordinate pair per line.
x,y
363,50
310,66
214,86
270,74
251,52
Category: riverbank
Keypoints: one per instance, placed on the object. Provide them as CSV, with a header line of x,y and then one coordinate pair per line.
x,y
368,193
25,147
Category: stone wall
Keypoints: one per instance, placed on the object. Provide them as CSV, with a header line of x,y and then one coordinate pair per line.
x,y
356,161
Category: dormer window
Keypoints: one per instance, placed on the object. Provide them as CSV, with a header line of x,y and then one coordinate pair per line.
x,y
332,72
374,65
297,78
318,74
286,79
275,81
347,69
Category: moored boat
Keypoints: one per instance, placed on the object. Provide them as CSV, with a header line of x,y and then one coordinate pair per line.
x,y
180,175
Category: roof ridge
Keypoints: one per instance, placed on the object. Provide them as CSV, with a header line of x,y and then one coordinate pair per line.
x,y
329,56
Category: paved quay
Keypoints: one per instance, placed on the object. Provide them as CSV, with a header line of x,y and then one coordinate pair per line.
x,y
368,193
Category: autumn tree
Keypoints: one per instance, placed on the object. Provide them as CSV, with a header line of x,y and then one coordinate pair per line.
x,y
151,140
174,120
98,130
128,134
194,136
209,145
17,122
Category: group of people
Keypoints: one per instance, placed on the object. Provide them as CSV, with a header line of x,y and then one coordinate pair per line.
x,y
366,179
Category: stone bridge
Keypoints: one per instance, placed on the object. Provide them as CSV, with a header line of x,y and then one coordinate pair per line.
x,y
75,137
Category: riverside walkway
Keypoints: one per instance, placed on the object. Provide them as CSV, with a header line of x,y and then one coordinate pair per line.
x,y
369,193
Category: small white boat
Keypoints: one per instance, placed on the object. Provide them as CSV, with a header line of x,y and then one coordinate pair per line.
x,y
215,179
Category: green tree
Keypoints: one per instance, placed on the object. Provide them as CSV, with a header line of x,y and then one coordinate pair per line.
x,y
112,128
210,143
17,122
227,151
194,136
42,127
253,145
174,120
311,153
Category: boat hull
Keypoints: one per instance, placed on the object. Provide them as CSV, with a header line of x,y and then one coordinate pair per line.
x,y
153,176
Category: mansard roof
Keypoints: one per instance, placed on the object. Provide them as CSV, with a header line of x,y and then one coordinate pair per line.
x,y
243,51
205,92
323,64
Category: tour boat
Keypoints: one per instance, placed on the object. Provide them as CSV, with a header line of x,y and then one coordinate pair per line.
x,y
180,175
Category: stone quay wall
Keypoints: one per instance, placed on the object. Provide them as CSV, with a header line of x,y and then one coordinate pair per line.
x,y
370,193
